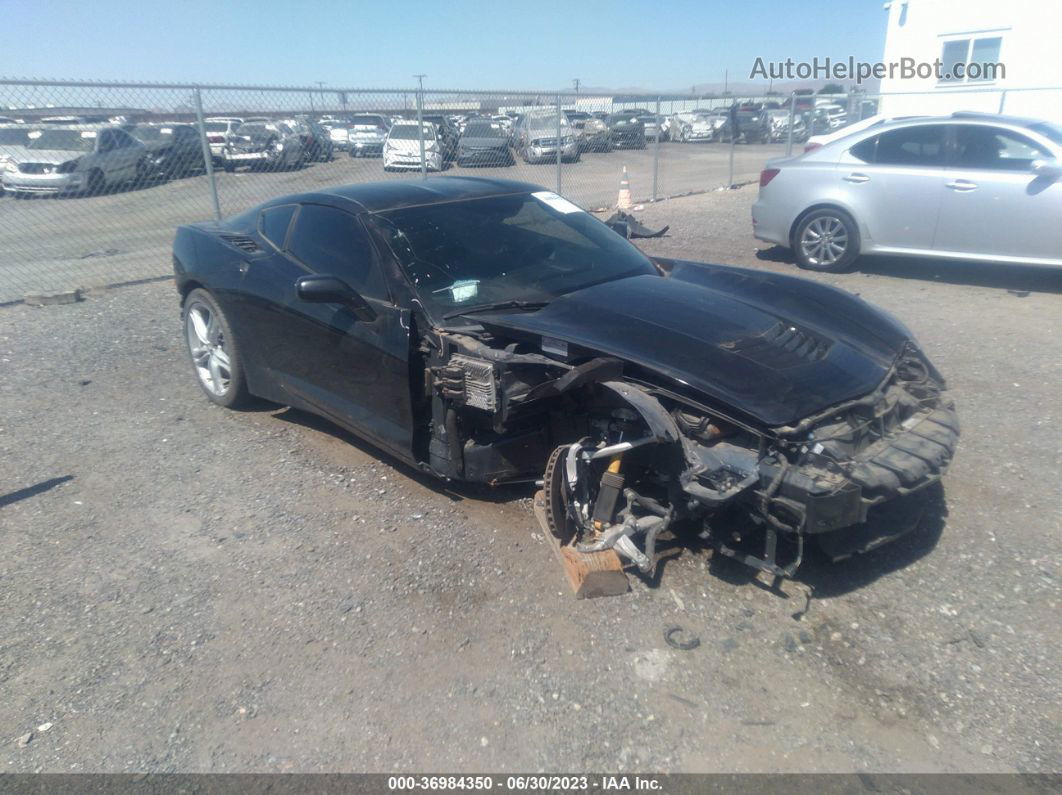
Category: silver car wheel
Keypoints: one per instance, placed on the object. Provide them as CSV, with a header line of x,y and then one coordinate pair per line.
x,y
824,241
206,344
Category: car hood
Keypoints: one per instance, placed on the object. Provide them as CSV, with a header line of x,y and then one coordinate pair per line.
x,y
773,348
53,156
484,143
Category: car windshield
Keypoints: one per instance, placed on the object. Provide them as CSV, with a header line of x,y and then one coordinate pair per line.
x,y
152,133
525,247
14,137
548,123
368,121
1048,130
489,129
63,140
408,132
216,126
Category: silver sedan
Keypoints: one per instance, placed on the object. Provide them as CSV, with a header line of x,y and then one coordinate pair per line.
x,y
966,186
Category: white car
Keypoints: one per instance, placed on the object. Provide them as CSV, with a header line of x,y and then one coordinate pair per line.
x,y
401,149
219,130
75,159
695,126
13,140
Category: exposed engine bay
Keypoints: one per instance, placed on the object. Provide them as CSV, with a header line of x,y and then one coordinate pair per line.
x,y
625,454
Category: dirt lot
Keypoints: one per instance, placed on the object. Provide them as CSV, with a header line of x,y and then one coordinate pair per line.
x,y
185,588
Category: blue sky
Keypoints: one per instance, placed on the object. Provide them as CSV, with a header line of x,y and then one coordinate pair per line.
x,y
457,43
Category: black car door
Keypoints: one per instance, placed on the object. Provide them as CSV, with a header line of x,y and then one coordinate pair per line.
x,y
320,356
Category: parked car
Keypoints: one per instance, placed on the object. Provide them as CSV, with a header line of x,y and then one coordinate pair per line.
x,y
595,136
447,132
535,137
967,186
751,124
491,331
219,129
338,133
626,130
264,144
654,127
696,126
13,141
367,135
316,142
776,126
402,147
172,150
484,143
75,159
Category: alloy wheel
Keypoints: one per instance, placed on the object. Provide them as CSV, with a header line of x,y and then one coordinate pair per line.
x,y
206,344
824,241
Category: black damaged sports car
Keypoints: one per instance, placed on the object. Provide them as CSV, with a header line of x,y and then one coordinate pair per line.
x,y
491,331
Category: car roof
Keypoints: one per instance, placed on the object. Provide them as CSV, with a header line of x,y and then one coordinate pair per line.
x,y
391,195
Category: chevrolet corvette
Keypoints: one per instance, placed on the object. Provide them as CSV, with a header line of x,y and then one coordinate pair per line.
x,y
491,331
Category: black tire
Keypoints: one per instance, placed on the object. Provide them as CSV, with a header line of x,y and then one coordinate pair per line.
x,y
237,394
229,167
828,222
96,183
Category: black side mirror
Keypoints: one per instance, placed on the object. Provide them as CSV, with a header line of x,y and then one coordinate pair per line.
x,y
333,290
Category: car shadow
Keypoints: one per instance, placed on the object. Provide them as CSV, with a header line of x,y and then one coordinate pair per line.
x,y
1002,276
826,578
451,490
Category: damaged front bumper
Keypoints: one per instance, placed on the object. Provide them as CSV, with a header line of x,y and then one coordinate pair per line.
x,y
844,477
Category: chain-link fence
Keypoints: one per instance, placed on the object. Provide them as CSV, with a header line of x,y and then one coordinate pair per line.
x,y
123,164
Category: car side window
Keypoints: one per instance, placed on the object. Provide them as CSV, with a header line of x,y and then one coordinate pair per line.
x,y
865,150
105,142
273,223
978,146
330,241
122,139
920,145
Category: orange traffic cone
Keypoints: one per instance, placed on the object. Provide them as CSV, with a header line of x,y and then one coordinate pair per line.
x,y
623,200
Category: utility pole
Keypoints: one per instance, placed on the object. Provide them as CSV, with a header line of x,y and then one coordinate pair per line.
x,y
320,86
575,82
420,124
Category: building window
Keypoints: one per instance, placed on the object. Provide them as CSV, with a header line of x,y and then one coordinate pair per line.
x,y
971,60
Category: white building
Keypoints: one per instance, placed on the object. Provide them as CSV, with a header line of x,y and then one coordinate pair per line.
x,y
1019,34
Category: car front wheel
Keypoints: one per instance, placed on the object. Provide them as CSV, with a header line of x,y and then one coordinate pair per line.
x,y
826,240
212,348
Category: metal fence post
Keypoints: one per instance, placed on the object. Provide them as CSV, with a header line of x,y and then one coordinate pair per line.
x,y
559,147
656,147
792,121
734,132
420,124
1002,99
208,159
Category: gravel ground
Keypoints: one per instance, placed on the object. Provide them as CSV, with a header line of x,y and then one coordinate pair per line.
x,y
190,589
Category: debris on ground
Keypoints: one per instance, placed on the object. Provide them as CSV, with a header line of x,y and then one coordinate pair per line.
x,y
678,638
635,228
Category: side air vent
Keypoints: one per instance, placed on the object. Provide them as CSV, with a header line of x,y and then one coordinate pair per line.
x,y
242,242
781,346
